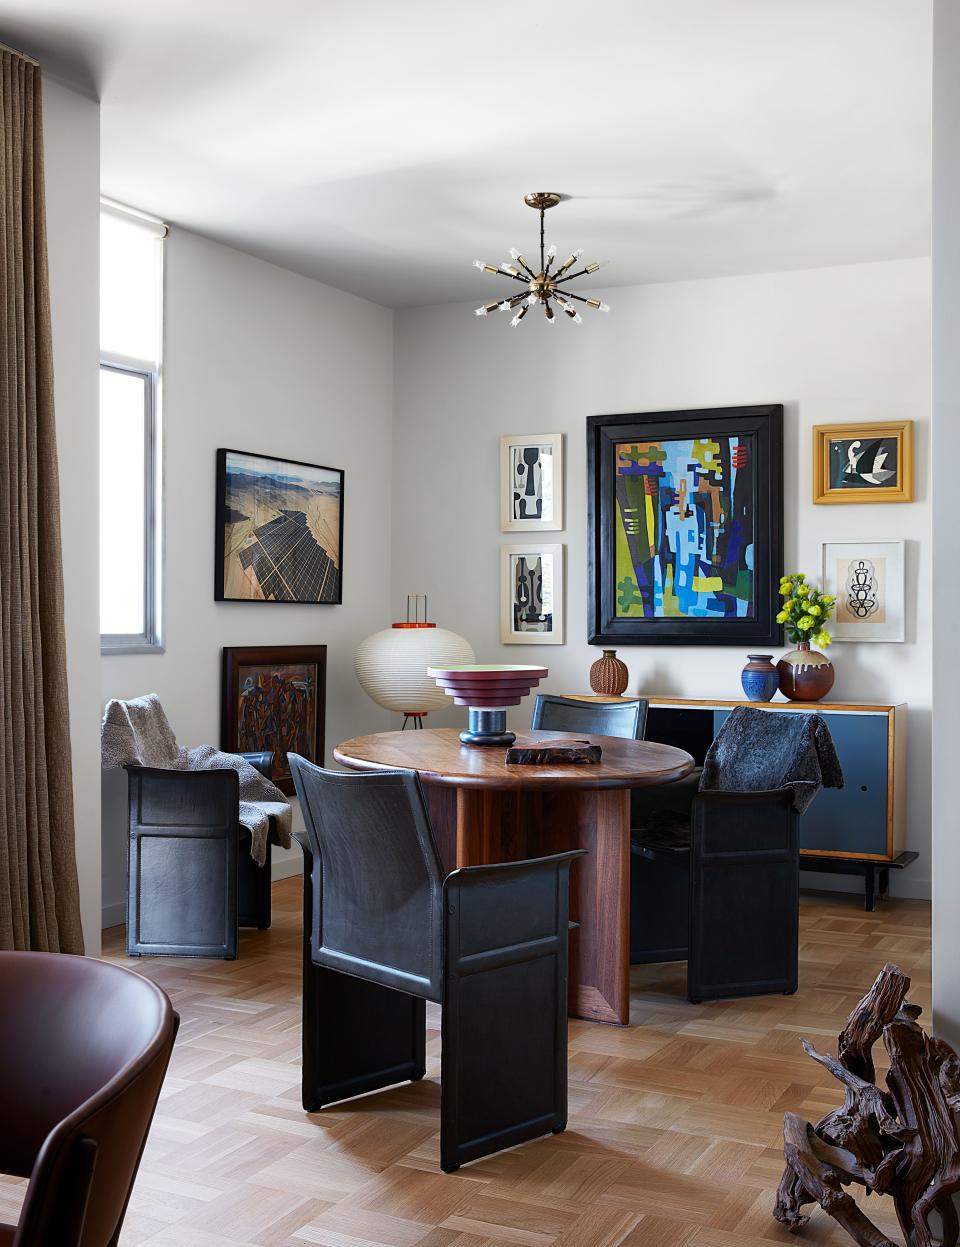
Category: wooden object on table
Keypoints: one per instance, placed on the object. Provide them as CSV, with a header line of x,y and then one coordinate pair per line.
x,y
902,1141
572,753
486,810
858,829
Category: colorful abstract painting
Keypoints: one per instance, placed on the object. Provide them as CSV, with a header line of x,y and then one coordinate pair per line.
x,y
273,702
685,528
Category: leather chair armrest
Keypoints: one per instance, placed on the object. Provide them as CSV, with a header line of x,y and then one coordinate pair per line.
x,y
262,761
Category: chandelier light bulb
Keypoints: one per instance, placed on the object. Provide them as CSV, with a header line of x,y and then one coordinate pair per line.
x,y
548,286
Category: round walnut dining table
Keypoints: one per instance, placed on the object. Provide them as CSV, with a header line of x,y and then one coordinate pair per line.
x,y
486,810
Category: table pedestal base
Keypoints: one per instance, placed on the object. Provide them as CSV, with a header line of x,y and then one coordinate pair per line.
x,y
475,826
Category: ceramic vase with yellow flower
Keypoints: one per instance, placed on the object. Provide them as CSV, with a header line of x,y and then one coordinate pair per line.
x,y
805,674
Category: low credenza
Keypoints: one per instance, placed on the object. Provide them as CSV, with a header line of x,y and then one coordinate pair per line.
x,y
859,829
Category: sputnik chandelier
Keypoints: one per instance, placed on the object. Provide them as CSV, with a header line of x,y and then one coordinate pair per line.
x,y
545,287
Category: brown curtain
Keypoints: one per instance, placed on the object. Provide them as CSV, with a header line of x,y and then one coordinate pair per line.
x,y
39,895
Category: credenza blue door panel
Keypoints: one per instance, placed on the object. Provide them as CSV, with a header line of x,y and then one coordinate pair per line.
x,y
852,819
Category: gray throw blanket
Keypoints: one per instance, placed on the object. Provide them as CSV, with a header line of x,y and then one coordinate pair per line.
x,y
138,733
758,750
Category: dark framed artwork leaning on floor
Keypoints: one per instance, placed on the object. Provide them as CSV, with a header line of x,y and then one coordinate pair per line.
x,y
685,514
273,699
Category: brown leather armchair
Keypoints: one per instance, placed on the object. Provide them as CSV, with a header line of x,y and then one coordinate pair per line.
x,y
84,1047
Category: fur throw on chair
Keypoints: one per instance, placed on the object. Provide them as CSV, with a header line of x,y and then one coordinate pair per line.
x,y
138,733
758,750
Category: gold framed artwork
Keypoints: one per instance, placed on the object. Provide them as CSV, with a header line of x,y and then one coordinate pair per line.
x,y
531,482
863,462
531,594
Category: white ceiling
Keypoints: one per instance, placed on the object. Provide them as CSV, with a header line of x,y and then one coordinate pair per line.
x,y
382,145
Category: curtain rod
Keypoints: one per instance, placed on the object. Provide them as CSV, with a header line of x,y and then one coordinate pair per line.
x,y
16,52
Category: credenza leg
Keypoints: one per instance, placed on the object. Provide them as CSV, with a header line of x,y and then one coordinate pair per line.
x,y
869,888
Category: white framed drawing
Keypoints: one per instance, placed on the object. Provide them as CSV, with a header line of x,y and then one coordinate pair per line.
x,y
867,579
531,594
531,482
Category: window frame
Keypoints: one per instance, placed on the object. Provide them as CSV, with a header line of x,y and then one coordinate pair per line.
x,y
151,639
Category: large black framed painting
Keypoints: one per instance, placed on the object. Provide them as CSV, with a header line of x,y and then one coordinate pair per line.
x,y
279,535
685,513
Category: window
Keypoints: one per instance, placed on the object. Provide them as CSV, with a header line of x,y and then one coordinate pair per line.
x,y
131,336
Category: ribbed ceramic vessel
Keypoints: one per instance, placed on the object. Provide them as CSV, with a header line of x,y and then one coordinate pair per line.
x,y
392,666
486,689
805,674
609,675
487,686
760,678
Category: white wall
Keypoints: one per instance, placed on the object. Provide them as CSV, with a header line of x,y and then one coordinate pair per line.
x,y
259,359
946,443
72,168
848,343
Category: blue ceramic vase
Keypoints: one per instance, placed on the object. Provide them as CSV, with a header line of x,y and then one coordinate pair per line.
x,y
759,677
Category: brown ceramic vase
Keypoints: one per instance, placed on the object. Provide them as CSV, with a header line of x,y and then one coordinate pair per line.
x,y
805,674
609,675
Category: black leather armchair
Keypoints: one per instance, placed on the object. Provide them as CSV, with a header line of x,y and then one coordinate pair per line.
x,y
191,882
385,931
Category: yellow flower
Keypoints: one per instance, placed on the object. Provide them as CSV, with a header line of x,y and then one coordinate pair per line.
x,y
805,622
803,591
783,617
822,639
814,609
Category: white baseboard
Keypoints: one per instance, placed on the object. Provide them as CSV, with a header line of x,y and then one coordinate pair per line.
x,y
113,915
288,866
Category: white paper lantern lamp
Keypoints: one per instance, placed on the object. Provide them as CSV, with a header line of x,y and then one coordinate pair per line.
x,y
392,665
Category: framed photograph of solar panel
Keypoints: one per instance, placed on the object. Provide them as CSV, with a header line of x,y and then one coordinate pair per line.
x,y
279,535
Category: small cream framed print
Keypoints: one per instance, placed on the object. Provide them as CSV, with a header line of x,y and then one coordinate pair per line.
x,y
531,594
531,482
867,579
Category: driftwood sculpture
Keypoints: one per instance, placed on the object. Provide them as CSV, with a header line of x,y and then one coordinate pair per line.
x,y
902,1141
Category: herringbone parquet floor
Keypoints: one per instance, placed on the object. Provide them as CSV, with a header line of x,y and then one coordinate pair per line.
x,y
674,1134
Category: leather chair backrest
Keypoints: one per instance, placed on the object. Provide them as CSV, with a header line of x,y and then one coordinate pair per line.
x,y
601,718
377,875
83,1050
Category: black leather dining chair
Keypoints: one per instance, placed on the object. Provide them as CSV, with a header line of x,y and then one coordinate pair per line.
x,y
191,880
714,878
627,718
384,931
